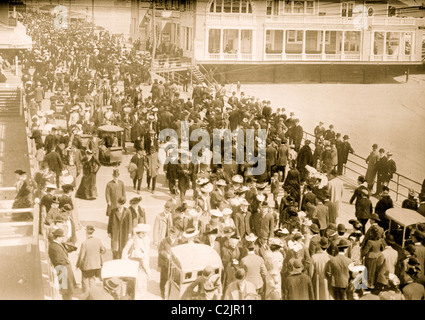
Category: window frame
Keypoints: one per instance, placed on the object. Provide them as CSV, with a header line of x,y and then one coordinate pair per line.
x,y
296,40
347,4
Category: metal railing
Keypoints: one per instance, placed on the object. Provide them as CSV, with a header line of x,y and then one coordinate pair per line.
x,y
402,183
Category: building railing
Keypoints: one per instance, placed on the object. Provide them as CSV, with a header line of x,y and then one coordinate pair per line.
x,y
306,57
170,64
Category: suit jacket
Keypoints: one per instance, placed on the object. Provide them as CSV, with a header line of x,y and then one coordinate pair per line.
x,y
59,257
90,257
120,228
233,291
164,250
242,223
282,155
140,163
216,198
333,211
271,156
54,161
297,287
337,271
322,216
255,268
114,191
263,226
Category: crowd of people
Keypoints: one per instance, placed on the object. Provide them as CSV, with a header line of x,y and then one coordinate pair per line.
x,y
285,243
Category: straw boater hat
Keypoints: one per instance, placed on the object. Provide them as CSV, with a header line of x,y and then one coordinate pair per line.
x,y
244,202
227,211
190,233
216,213
261,197
207,188
251,237
237,178
142,227
127,109
202,181
221,182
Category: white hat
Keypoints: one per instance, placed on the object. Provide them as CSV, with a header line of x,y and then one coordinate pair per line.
x,y
41,113
243,189
51,186
190,233
193,212
244,202
216,213
142,227
276,242
68,179
261,197
227,211
251,237
207,188
221,182
50,112
202,181
237,178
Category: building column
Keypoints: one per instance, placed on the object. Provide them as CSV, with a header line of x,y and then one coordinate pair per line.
x,y
323,45
384,51
343,46
372,46
284,45
221,44
400,46
16,64
239,44
304,43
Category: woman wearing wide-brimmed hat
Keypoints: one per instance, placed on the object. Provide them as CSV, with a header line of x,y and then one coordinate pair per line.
x,y
137,249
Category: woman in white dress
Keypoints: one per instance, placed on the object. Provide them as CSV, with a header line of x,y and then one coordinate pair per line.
x,y
274,262
137,249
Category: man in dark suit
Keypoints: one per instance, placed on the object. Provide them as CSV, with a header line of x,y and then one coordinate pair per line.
x,y
115,190
233,100
338,273
139,160
271,158
217,197
164,255
51,140
382,171
305,157
297,135
59,257
242,220
263,224
282,158
54,162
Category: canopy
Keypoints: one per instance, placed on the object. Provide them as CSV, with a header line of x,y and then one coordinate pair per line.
x,y
196,256
110,128
405,217
120,268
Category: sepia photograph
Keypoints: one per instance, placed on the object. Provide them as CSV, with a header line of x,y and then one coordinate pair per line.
x,y
212,150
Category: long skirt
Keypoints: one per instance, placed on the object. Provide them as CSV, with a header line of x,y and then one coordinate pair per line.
x,y
371,264
87,189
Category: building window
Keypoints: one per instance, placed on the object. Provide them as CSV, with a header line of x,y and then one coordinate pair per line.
x,y
299,7
274,41
272,7
378,47
313,41
214,41
230,6
352,42
295,36
347,9
407,43
230,41
393,43
333,42
294,41
246,41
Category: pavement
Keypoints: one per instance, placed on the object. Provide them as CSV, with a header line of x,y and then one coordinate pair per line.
x,y
94,212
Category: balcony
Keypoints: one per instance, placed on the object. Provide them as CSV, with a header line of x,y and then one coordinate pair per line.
x,y
324,20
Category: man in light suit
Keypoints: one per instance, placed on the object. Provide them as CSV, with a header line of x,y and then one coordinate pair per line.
x,y
255,268
337,271
115,189
240,289
242,220
90,259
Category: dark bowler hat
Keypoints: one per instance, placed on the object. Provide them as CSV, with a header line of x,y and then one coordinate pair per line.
x,y
324,243
58,233
375,217
343,244
314,228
